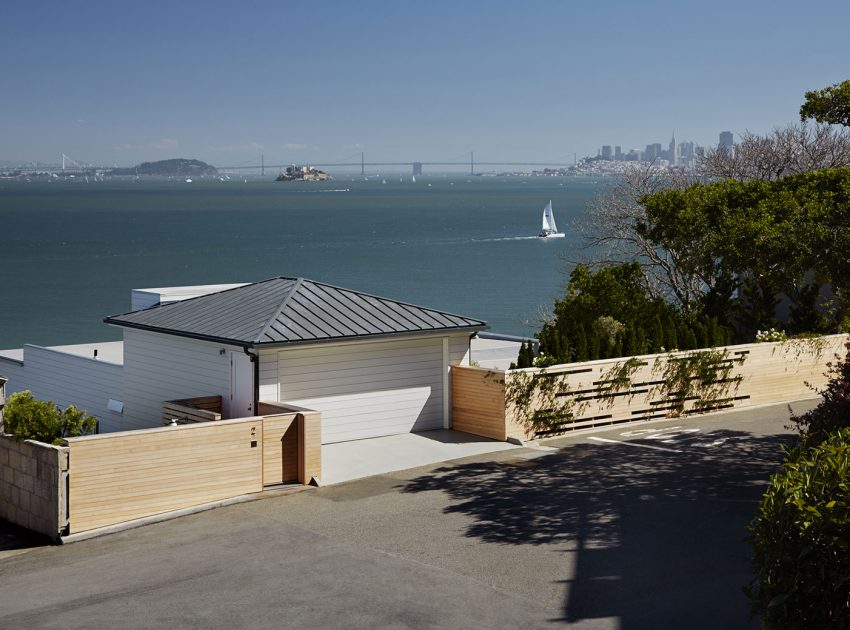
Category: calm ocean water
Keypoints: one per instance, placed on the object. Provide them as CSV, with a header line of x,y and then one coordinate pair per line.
x,y
70,251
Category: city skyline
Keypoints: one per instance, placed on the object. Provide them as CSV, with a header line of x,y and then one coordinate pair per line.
x,y
677,153
123,84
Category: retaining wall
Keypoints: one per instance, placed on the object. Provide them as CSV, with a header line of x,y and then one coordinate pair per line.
x,y
33,485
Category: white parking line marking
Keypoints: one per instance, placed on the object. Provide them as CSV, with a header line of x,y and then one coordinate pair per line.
x,y
655,448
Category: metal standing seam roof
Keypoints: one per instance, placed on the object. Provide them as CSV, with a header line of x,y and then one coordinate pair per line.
x,y
289,311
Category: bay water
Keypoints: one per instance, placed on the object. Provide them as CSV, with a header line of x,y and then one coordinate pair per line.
x,y
71,250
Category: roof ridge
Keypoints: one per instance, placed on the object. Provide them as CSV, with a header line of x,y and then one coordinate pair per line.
x,y
242,285
386,299
292,291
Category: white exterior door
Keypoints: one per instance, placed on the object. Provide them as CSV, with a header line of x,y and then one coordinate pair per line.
x,y
367,389
241,401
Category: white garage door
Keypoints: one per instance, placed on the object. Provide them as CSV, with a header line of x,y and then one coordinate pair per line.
x,y
367,389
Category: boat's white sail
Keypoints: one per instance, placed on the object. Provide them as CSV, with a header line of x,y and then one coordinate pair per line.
x,y
549,219
549,227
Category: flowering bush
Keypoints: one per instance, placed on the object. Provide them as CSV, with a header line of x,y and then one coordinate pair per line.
x,y
763,336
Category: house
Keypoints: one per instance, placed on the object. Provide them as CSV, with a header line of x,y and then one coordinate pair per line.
x,y
372,366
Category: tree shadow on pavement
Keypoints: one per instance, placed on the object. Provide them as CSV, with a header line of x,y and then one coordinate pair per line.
x,y
658,534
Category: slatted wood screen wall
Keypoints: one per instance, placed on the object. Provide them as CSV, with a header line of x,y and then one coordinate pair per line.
x,y
769,373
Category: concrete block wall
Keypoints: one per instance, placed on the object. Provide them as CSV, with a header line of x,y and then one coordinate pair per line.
x,y
2,400
33,482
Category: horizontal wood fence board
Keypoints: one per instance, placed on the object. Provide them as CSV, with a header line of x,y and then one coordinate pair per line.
x,y
310,446
478,402
118,477
280,448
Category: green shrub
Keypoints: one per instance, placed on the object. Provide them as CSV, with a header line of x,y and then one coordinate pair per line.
x,y
833,412
801,540
28,418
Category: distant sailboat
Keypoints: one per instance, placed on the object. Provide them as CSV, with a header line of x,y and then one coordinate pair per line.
x,y
550,230
413,178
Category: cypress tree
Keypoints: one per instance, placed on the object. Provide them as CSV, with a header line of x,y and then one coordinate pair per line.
x,y
617,349
671,341
581,343
689,341
593,345
698,328
628,348
522,359
657,337
640,344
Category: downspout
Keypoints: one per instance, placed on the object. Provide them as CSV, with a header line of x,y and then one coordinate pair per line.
x,y
255,361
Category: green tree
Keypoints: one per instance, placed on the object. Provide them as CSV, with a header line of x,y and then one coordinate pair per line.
x,y
831,105
28,418
608,312
750,241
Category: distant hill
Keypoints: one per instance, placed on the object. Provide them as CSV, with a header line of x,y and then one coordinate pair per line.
x,y
177,166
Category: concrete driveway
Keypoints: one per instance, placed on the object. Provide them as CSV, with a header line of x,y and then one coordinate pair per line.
x,y
346,461
636,527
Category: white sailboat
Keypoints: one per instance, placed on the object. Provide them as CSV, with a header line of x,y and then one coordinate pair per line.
x,y
550,230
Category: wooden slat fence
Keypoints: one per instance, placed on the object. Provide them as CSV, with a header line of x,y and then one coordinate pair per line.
x,y
759,374
191,410
117,477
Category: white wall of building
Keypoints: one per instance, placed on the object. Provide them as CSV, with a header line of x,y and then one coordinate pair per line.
x,y
161,367
68,379
367,388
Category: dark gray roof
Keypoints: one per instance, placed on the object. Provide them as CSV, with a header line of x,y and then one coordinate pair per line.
x,y
291,310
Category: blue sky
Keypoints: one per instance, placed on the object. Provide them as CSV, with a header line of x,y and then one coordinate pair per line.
x,y
318,81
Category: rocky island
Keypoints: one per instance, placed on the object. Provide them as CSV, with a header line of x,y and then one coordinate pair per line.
x,y
302,173
177,166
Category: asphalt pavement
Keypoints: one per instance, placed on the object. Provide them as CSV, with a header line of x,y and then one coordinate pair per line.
x,y
638,526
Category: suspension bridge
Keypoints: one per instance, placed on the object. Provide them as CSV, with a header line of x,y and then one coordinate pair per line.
x,y
416,166
70,166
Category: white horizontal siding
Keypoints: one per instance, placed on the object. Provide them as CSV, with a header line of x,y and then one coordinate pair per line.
x,y
69,379
13,372
269,381
366,389
166,367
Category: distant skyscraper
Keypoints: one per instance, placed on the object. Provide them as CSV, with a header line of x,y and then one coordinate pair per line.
x,y
618,152
653,152
606,152
417,168
673,151
727,141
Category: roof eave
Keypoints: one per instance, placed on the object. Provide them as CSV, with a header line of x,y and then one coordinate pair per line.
x,y
437,332
301,342
180,333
